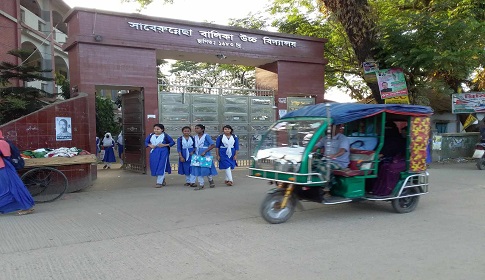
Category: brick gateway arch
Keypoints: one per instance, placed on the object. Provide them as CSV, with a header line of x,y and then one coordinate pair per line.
x,y
119,51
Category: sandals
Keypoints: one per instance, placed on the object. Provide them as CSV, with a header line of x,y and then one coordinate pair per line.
x,y
199,188
192,185
164,183
187,184
26,212
229,183
158,186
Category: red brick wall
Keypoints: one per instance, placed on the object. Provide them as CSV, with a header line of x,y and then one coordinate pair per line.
x,y
115,30
9,7
9,30
301,79
38,130
95,65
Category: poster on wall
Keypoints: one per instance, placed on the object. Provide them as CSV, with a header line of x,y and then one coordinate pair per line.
x,y
295,103
473,102
63,129
391,83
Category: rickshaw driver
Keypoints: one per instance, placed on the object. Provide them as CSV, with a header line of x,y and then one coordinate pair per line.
x,y
339,153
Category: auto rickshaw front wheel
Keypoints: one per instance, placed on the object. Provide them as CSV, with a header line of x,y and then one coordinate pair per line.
x,y
406,204
272,211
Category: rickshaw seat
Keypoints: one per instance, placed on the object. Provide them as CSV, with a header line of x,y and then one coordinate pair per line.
x,y
361,161
348,172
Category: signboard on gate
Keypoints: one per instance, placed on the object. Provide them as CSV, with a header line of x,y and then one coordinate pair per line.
x,y
472,102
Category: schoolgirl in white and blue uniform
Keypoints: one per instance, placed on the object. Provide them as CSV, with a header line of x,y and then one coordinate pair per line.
x,y
185,148
226,152
203,146
159,143
109,152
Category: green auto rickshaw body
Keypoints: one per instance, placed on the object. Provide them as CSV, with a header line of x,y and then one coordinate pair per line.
x,y
286,153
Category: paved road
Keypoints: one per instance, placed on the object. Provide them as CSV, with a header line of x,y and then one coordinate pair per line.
x,y
122,228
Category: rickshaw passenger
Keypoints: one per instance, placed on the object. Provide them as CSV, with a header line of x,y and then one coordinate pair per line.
x,y
392,161
394,143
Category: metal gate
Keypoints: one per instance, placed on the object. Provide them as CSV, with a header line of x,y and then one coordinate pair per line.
x,y
250,113
133,127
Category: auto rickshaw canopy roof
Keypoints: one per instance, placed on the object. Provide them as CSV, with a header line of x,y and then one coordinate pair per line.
x,y
347,112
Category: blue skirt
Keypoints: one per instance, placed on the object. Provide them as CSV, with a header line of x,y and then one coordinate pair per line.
x,y
226,162
109,154
14,195
184,168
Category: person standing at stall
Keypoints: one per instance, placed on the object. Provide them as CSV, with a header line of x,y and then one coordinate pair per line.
x,y
14,196
186,148
159,143
226,152
109,151
203,146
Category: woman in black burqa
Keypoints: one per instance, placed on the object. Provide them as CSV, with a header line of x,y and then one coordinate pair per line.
x,y
393,161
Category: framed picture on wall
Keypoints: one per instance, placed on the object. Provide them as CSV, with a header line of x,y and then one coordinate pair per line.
x,y
63,129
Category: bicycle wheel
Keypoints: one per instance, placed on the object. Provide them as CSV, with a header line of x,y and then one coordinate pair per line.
x,y
45,184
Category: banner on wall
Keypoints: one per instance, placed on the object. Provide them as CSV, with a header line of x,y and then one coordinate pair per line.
x,y
391,83
473,102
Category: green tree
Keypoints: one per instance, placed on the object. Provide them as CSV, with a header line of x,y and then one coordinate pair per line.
x,y
105,117
196,75
418,36
18,101
62,81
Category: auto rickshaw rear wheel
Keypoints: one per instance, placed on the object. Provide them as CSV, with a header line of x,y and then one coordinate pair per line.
x,y
406,204
271,209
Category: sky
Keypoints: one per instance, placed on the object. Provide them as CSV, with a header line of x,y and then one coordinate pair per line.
x,y
214,11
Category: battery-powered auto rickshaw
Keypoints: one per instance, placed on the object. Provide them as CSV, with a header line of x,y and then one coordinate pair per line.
x,y
287,157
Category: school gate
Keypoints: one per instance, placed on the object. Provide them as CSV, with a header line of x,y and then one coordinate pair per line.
x,y
249,114
116,50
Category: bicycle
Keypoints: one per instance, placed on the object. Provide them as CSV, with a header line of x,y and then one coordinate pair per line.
x,y
45,184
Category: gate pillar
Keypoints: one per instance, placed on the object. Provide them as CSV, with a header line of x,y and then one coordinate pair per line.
x,y
292,79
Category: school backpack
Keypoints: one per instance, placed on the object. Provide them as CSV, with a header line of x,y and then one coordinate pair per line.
x,y
15,159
